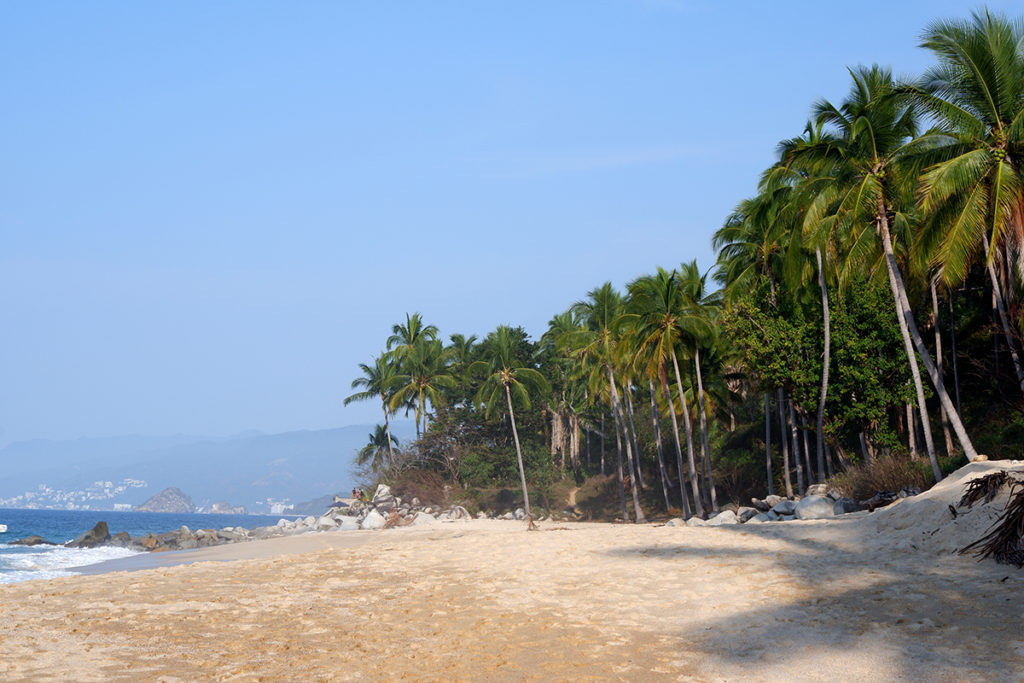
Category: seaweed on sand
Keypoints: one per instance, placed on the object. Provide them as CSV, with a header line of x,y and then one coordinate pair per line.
x,y
1005,540
984,488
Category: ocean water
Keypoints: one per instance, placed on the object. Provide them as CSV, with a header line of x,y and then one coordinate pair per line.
x,y
18,563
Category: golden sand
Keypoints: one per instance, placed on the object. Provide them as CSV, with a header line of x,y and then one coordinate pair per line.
x,y
488,601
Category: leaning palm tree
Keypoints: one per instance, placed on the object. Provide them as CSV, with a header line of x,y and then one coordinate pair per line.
x,y
377,382
974,196
507,378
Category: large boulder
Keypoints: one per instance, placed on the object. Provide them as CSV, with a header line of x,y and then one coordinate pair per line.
x,y
744,514
348,524
373,520
96,536
759,518
32,540
784,507
423,518
814,507
326,523
724,517
773,500
845,506
678,521
696,521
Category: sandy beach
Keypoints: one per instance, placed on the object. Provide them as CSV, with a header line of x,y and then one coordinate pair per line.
x,y
879,597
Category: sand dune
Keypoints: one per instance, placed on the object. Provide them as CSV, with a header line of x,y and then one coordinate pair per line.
x,y
879,597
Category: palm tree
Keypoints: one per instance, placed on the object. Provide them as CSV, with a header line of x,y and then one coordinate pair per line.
x,y
596,348
974,196
379,444
703,305
507,376
423,374
660,320
377,381
404,337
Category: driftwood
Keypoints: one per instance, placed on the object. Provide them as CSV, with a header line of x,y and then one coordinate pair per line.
x,y
1005,540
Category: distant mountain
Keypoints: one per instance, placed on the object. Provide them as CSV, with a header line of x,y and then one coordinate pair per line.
x,y
168,500
254,470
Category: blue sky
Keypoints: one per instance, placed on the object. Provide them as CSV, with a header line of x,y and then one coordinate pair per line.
x,y
211,212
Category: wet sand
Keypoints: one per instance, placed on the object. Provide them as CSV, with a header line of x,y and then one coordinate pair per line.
x,y
879,598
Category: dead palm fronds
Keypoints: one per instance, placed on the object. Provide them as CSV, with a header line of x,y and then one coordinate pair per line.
x,y
984,488
1005,540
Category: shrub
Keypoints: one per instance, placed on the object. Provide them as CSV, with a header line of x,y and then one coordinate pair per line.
x,y
426,485
885,473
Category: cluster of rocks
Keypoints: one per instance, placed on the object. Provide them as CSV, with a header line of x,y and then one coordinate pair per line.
x,y
384,510
818,502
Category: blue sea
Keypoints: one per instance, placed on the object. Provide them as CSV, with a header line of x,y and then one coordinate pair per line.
x,y
18,563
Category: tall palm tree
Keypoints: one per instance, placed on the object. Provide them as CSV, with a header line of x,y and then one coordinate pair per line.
x,y
596,347
974,196
378,381
661,319
508,378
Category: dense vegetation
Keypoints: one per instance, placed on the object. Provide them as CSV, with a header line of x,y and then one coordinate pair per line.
x,y
867,308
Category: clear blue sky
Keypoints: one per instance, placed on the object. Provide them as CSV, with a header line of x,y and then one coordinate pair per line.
x,y
211,212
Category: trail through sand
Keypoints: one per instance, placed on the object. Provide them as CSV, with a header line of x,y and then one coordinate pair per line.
x,y
880,597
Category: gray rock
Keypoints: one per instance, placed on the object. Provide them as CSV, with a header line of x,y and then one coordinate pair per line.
x,y
816,490
814,507
309,521
787,518
520,514
507,515
722,518
415,502
784,507
373,520
773,500
459,512
772,516
96,536
678,521
759,518
325,523
348,524
760,505
744,513
844,506
31,541
423,518
481,515
696,521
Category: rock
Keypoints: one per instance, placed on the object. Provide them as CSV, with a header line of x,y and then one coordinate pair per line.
x,y
772,516
520,514
148,542
348,524
459,512
373,520
481,515
383,493
423,518
168,500
744,514
696,521
979,458
816,490
759,518
908,491
96,536
880,499
507,515
122,539
415,502
784,507
845,506
32,540
678,521
722,518
787,518
773,500
326,523
760,505
263,532
309,521
814,507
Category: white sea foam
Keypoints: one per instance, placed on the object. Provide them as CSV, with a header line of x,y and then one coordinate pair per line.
x,y
53,561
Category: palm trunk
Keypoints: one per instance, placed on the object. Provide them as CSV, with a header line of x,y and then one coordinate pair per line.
x,y
903,306
796,450
1011,343
698,506
807,450
911,432
387,429
636,442
952,351
602,443
519,457
820,436
620,414
947,436
657,444
781,406
768,445
679,450
704,430
619,471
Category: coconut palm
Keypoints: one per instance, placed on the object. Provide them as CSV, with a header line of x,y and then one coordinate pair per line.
x,y
378,446
596,348
423,375
507,378
378,382
974,196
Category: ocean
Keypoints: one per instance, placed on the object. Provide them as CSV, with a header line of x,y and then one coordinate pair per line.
x,y
18,563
